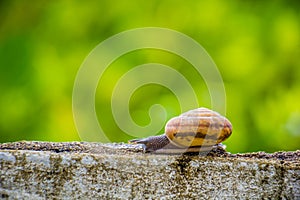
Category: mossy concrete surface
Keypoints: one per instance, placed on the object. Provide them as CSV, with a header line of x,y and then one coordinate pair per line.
x,y
80,170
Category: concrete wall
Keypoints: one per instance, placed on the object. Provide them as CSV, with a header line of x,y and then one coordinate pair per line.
x,y
36,170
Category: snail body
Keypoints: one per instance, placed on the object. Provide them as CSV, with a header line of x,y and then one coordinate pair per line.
x,y
197,130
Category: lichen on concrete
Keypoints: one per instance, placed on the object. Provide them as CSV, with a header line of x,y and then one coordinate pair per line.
x,y
81,170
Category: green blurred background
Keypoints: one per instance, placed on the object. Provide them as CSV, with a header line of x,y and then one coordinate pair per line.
x,y
255,44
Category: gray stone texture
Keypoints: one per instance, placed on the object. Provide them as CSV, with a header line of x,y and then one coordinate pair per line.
x,y
81,170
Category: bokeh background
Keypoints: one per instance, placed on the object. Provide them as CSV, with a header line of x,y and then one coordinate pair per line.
x,y
255,44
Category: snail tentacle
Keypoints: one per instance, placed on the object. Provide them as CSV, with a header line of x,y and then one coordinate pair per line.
x,y
152,143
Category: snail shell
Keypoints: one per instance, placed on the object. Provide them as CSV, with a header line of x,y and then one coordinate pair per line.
x,y
193,131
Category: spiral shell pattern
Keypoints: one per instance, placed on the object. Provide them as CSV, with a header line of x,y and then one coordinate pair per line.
x,y
199,127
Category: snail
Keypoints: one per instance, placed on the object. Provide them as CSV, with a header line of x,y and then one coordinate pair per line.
x,y
197,130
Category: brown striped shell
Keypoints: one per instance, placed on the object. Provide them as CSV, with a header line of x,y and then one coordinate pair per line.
x,y
199,127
